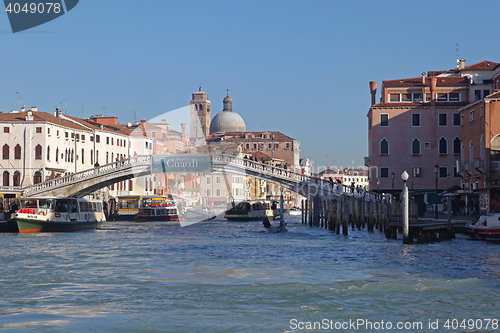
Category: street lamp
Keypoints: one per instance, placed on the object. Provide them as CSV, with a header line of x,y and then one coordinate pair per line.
x,y
436,171
406,210
392,176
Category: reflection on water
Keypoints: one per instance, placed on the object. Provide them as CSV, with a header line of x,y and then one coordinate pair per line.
x,y
218,276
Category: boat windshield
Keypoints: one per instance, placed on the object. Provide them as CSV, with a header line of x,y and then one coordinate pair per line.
x,y
45,203
28,203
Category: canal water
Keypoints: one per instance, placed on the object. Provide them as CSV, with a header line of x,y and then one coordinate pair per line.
x,y
233,277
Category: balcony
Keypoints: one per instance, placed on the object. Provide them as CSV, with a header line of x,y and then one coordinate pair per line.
x,y
468,167
479,164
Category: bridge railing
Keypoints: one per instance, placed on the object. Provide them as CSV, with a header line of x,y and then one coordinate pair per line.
x,y
294,178
87,174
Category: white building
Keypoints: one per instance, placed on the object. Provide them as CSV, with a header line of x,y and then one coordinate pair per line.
x,y
37,146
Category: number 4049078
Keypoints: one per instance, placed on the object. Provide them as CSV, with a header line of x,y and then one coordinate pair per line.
x,y
34,8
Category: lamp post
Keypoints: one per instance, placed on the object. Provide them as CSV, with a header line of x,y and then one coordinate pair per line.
x,y
406,215
392,194
436,171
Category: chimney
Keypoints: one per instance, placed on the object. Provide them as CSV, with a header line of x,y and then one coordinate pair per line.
x,y
23,108
461,63
34,109
29,116
183,129
423,77
433,83
373,90
164,121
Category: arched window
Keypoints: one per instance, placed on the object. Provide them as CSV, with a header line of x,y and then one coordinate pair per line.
x,y
5,151
38,152
196,107
66,155
91,157
72,155
48,153
443,146
6,178
57,154
112,157
456,145
97,156
83,156
415,147
384,147
16,180
17,152
107,157
37,177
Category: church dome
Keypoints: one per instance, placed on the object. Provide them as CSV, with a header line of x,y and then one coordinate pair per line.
x,y
227,120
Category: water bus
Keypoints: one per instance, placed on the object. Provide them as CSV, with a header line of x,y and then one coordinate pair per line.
x,y
57,214
158,212
130,205
253,210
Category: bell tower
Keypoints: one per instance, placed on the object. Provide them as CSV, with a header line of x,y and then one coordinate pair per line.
x,y
200,115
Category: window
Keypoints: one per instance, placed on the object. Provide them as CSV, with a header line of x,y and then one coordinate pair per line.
x,y
481,110
5,152
462,119
247,146
83,137
406,97
454,97
456,119
6,178
443,119
287,145
48,153
37,177
209,193
217,180
442,97
486,93
66,135
57,154
443,146
471,151
77,137
6,129
91,138
384,120
416,172
276,145
83,156
17,152
415,119
48,131
455,172
456,146
471,115
57,133
255,146
208,180
153,134
112,141
477,95
269,146
218,192
107,141
394,97
415,147
98,138
16,180
427,145
384,172
39,130
443,172
38,152
418,97
384,147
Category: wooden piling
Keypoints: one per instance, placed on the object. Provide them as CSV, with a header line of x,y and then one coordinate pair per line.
x,y
302,211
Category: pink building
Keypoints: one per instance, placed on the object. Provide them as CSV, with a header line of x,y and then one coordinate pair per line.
x,y
416,127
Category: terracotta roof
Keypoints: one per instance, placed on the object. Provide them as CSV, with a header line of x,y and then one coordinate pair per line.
x,y
241,136
496,94
412,104
480,66
39,116
445,81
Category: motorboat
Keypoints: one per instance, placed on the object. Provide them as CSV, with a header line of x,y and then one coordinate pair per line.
x,y
158,212
487,227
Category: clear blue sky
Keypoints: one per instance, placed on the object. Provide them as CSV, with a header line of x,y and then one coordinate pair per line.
x,y
299,67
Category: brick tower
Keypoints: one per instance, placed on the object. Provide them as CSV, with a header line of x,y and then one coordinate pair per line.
x,y
200,116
